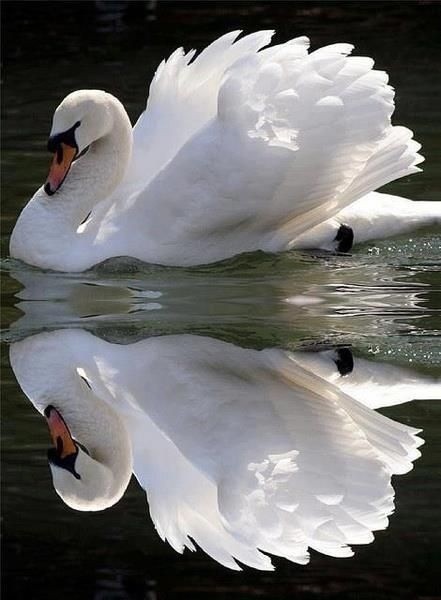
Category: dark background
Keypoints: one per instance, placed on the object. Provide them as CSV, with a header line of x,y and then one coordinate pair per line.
x,y
51,31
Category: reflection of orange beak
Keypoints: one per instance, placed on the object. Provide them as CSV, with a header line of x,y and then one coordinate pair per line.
x,y
60,433
60,166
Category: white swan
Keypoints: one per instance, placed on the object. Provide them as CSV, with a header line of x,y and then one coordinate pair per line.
x,y
239,450
241,149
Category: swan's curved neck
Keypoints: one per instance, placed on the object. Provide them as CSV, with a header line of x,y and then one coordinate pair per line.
x,y
46,233
98,427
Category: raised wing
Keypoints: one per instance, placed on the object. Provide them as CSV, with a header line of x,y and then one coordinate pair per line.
x,y
296,137
182,99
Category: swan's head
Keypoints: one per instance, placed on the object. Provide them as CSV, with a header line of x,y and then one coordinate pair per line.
x,y
81,119
83,481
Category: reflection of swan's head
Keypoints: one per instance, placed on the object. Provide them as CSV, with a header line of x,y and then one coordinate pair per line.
x,y
82,118
91,474
91,458
86,486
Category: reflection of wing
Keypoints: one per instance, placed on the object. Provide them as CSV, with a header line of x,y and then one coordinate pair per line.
x,y
373,384
249,451
183,501
238,450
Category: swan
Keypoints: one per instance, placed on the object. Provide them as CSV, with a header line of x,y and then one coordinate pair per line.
x,y
239,451
374,384
242,148
375,216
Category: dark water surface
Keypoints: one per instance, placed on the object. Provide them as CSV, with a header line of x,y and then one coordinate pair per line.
x,y
383,302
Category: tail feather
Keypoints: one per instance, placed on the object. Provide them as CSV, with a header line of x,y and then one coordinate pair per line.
x,y
397,156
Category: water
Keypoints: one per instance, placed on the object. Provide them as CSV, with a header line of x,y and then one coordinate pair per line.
x,y
383,303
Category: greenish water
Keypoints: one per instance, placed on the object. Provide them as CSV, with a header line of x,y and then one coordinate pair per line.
x,y
383,301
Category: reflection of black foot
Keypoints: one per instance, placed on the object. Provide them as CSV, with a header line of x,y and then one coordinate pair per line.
x,y
345,238
344,361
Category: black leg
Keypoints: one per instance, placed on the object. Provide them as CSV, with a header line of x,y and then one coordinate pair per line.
x,y
344,361
345,238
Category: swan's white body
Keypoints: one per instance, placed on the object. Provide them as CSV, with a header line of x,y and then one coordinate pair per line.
x,y
238,450
236,151
373,217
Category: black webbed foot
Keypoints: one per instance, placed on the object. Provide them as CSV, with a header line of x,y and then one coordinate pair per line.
x,y
345,238
344,361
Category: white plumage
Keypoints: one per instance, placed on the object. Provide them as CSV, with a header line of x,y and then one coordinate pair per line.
x,y
239,149
239,451
371,382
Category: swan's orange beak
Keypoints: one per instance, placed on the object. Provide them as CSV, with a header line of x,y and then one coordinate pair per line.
x,y
59,169
60,434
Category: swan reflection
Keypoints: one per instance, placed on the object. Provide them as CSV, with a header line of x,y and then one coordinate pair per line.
x,y
239,450
374,384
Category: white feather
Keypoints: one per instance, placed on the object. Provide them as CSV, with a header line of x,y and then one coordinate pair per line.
x,y
239,149
239,451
